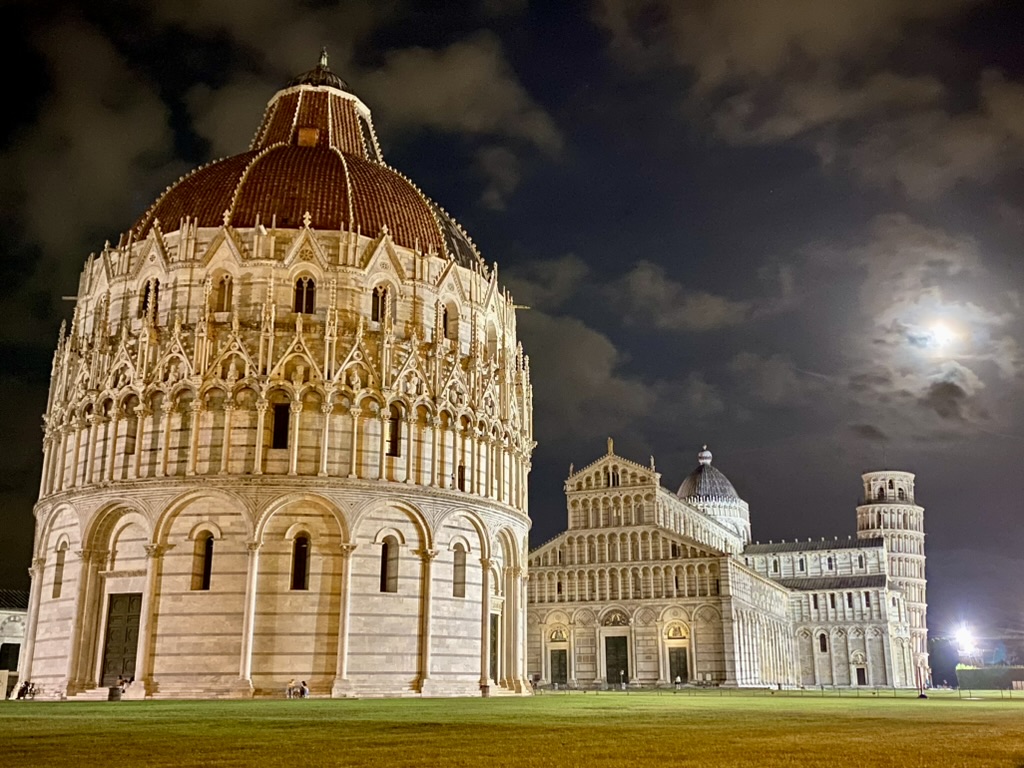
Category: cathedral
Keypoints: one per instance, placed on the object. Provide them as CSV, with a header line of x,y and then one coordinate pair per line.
x,y
288,435
652,588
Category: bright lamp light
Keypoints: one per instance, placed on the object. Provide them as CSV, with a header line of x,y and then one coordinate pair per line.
x,y
965,639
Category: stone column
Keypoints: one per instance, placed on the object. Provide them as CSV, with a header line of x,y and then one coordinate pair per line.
x,y
166,408
869,672
81,614
142,415
261,421
663,665
518,629
381,447
342,687
295,411
485,622
196,418
36,574
457,453
631,652
486,465
62,458
47,457
354,449
113,450
545,654
90,645
147,620
427,556
249,615
225,449
325,437
571,671
436,453
75,469
472,462
499,450
90,447
409,448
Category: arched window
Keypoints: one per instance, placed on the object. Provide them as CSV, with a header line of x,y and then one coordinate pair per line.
x,y
223,291
131,430
775,566
379,304
801,564
58,570
901,494
459,571
393,433
202,562
150,301
860,561
300,562
831,564
891,486
881,493
389,564
281,426
305,295
823,643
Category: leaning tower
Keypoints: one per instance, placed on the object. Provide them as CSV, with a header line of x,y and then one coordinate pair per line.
x,y
889,512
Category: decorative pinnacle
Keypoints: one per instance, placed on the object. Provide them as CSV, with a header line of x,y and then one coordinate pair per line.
x,y
323,57
704,457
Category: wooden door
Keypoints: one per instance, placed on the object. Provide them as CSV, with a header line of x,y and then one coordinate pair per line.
x,y
616,658
122,641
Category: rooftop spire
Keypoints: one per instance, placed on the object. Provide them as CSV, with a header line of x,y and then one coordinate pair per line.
x,y
321,75
704,457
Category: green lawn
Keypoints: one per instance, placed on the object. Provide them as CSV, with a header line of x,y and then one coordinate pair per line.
x,y
610,729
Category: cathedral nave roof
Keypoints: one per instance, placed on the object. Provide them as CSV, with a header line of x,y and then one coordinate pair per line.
x,y
825,584
849,542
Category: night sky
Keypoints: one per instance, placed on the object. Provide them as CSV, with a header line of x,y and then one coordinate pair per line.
x,y
791,230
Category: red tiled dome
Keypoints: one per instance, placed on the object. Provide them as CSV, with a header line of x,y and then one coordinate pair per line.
x,y
314,153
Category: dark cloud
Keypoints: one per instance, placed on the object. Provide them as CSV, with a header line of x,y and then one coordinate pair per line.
x,y
823,73
869,432
648,295
582,388
546,283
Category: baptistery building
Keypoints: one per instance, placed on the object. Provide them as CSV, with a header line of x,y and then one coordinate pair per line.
x,y
288,437
647,587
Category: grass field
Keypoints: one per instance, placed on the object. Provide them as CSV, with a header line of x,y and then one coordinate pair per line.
x,y
610,729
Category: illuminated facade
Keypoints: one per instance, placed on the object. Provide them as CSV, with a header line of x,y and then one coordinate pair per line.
x,y
647,587
288,436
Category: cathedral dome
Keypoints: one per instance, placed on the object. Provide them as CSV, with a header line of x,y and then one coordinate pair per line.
x,y
317,140
706,482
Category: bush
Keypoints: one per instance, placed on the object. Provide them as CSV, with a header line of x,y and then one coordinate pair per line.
x,y
988,678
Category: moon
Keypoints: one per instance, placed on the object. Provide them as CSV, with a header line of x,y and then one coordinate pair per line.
x,y
941,335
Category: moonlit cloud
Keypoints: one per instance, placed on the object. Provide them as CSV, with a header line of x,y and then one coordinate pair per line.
x,y
467,87
648,295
